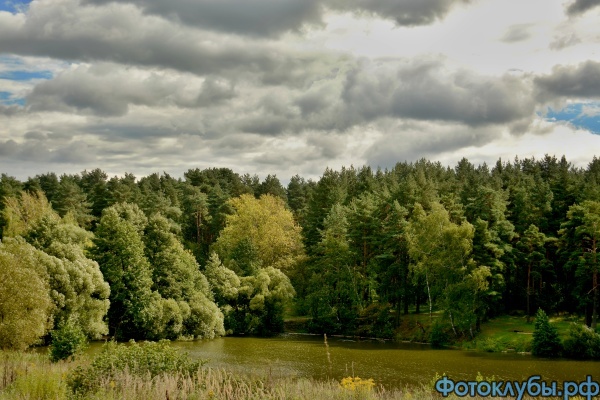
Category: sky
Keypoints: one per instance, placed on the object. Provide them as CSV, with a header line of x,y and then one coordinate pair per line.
x,y
291,87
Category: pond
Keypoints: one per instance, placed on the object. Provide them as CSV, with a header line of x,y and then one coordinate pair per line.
x,y
390,364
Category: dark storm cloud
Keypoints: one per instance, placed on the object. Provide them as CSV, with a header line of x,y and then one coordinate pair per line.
x,y
274,17
574,81
578,7
108,90
423,90
517,33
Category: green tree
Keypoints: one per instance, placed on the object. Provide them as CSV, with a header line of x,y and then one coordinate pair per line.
x,y
176,276
582,231
224,283
272,186
334,297
71,199
546,342
67,341
532,255
78,288
252,304
439,248
119,250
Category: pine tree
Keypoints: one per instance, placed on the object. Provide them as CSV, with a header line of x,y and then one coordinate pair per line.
x,y
546,342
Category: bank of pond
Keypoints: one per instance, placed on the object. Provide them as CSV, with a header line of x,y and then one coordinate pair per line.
x,y
285,366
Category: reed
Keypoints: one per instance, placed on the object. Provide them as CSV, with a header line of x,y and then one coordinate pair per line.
x,y
33,376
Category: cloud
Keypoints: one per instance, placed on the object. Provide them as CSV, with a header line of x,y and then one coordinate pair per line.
x,y
517,33
268,18
562,42
411,141
120,33
570,81
9,110
245,17
422,89
108,90
36,150
403,12
578,7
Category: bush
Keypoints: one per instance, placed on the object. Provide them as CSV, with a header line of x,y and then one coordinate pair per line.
x,y
438,336
149,359
491,345
546,342
582,342
67,341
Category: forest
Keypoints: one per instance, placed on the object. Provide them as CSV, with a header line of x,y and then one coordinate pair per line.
x,y
216,252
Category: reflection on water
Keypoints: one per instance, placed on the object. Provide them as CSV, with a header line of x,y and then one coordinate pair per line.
x,y
391,364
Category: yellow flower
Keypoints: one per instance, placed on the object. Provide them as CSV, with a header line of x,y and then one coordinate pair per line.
x,y
353,383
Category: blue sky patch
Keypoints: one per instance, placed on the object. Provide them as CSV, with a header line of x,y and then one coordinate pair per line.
x,y
7,99
13,5
25,75
580,115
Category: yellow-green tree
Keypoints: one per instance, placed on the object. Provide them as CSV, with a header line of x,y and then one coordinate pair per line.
x,y
25,304
265,227
22,211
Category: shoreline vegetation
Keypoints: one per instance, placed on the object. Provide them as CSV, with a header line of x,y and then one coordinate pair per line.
x,y
160,372
151,373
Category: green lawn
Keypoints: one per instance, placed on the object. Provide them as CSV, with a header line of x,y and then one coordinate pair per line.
x,y
513,333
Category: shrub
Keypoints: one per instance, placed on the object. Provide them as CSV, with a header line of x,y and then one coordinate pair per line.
x,y
490,345
67,341
546,342
438,336
582,342
149,359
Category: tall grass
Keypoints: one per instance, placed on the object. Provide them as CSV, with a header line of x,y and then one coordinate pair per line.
x,y
32,376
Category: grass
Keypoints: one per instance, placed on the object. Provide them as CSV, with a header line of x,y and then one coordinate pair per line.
x,y
513,333
33,376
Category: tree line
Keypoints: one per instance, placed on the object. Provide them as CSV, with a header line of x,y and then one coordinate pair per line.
x,y
216,252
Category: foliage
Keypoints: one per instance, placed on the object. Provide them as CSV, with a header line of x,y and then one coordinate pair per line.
x,y
67,341
22,211
472,242
77,286
119,250
259,306
546,342
25,304
438,337
188,307
268,226
147,359
582,342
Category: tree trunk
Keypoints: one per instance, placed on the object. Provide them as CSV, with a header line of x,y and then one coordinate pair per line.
x,y
528,292
429,296
595,302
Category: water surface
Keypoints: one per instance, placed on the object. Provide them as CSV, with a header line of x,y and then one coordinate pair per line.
x,y
391,364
